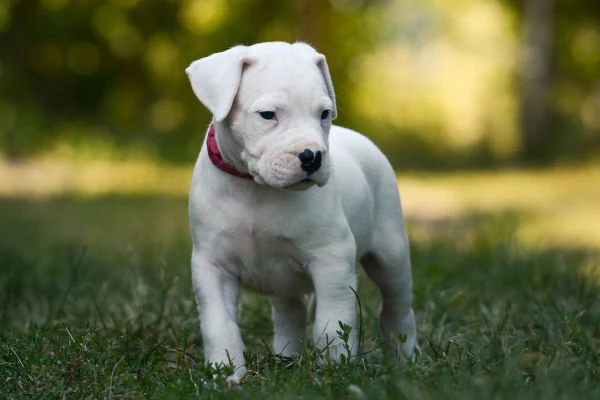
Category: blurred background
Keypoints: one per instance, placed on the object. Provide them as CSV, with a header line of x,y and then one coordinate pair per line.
x,y
482,106
438,84
488,109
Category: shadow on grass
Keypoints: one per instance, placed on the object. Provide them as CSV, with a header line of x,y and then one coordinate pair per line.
x,y
96,300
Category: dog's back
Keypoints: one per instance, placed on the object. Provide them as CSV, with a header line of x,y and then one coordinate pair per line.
x,y
361,171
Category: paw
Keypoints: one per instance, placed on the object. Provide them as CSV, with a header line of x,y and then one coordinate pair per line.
x,y
232,374
233,380
402,335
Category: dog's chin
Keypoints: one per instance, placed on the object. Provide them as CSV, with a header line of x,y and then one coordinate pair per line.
x,y
302,185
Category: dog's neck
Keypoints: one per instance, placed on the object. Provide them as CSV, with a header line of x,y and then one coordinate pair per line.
x,y
225,152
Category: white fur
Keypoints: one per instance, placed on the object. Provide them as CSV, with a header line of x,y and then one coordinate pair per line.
x,y
287,243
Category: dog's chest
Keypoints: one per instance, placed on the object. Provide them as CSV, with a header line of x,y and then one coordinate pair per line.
x,y
265,262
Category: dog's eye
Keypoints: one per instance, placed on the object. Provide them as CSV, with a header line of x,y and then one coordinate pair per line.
x,y
325,114
267,114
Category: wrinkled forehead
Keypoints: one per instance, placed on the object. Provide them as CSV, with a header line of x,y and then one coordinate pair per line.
x,y
291,74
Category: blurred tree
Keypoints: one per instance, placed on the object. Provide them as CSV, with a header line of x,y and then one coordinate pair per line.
x,y
105,77
560,79
536,60
431,80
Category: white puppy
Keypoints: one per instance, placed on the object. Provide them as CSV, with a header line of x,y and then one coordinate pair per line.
x,y
286,204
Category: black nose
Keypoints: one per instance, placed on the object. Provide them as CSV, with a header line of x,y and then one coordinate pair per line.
x,y
310,162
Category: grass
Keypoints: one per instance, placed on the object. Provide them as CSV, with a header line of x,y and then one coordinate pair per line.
x,y
96,299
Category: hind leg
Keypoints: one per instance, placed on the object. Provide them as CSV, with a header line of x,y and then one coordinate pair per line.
x,y
388,265
289,323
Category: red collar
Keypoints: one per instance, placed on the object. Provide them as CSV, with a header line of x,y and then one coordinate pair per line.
x,y
215,156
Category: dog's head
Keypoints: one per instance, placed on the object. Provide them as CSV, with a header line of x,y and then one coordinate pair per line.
x,y
276,101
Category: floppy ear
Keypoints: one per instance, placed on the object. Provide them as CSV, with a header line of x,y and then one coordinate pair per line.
x,y
322,64
215,79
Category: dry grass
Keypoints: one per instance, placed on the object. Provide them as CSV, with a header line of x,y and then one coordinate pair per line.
x,y
557,207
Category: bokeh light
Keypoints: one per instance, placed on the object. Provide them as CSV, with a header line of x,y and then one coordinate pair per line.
x,y
202,16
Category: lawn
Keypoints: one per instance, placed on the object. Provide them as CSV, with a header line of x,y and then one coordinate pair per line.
x,y
96,299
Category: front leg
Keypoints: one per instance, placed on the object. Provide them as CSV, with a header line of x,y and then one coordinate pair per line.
x,y
334,279
217,297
